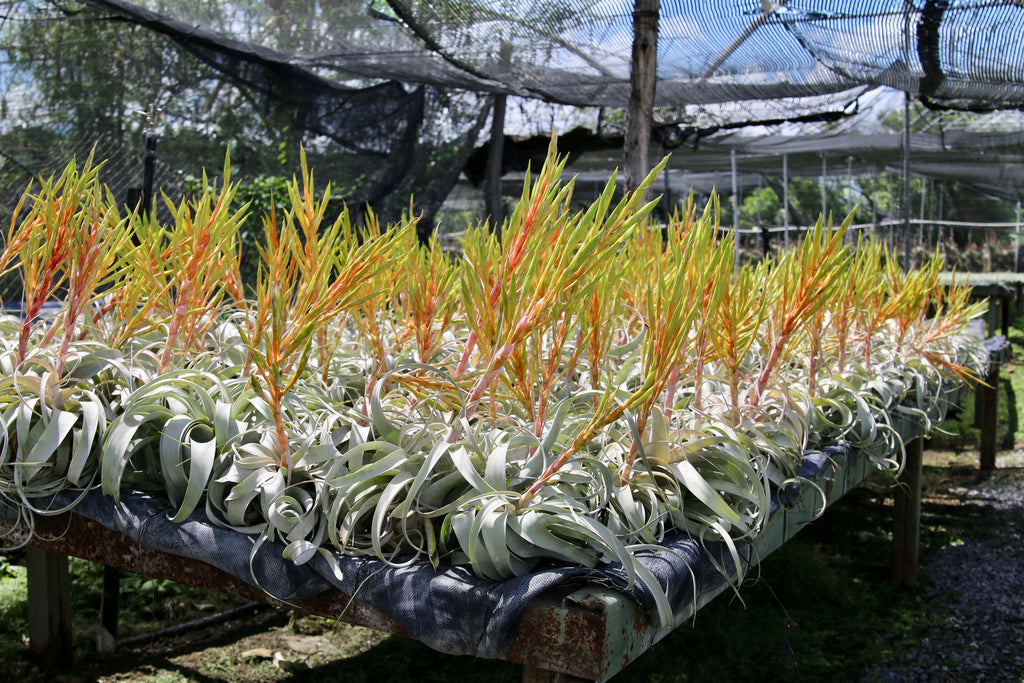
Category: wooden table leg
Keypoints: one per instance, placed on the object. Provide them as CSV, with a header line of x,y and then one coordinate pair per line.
x,y
49,607
906,531
987,402
106,639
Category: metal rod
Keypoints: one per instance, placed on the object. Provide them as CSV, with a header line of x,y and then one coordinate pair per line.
x,y
668,187
152,116
668,203
849,185
735,208
942,215
920,226
759,195
1016,242
237,612
148,173
785,195
824,196
492,187
767,9
906,181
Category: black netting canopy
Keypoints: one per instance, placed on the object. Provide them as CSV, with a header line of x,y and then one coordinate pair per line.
x,y
391,97
578,52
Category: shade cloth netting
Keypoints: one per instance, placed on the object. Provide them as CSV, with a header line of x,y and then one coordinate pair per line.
x,y
390,97
578,51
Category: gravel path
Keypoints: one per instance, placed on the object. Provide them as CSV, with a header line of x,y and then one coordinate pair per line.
x,y
979,584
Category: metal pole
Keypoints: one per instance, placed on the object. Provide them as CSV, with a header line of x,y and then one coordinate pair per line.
x,y
874,218
759,190
935,225
668,188
492,186
942,213
1016,242
849,185
149,160
906,181
892,228
824,201
669,209
920,226
785,195
735,208
148,172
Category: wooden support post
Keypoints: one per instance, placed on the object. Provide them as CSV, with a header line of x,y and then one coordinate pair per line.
x,y
642,82
106,639
492,185
980,397
50,636
991,317
986,403
906,530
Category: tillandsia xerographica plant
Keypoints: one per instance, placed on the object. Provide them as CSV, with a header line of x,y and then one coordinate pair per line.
x,y
573,392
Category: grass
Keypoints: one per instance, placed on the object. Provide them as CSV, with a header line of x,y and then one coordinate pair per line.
x,y
821,607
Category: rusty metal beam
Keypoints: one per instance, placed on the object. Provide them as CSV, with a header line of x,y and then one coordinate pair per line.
x,y
70,534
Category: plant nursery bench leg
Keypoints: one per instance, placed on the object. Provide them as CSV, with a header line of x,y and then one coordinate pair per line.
x,y
987,402
49,607
106,639
906,532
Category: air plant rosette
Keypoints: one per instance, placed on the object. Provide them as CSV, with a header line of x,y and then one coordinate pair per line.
x,y
573,393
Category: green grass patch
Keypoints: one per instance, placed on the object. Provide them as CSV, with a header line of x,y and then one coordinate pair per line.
x,y
821,609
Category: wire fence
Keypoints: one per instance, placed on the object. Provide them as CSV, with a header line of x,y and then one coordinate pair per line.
x,y
975,247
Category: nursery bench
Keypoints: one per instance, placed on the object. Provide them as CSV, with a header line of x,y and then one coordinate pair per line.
x,y
565,633
986,408
1004,292
1000,296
